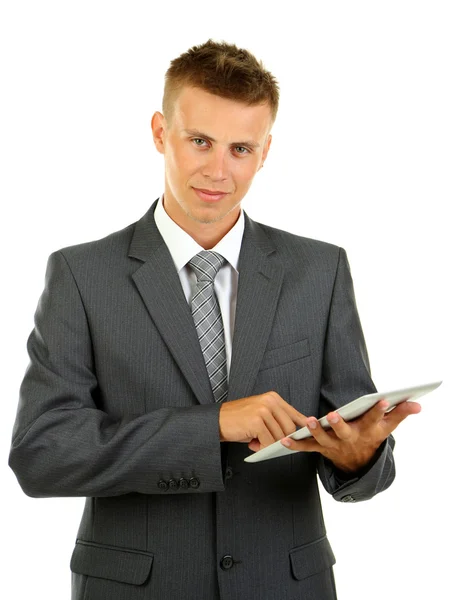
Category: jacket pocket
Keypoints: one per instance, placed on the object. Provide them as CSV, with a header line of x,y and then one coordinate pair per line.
x,y
311,558
111,562
277,357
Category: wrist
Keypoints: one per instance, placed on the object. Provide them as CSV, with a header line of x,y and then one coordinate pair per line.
x,y
357,466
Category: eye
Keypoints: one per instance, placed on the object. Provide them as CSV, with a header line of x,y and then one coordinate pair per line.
x,y
244,150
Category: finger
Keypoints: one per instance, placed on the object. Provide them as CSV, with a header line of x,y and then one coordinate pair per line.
x,y
341,429
272,425
297,417
265,435
285,421
399,413
374,415
320,435
254,445
306,445
277,405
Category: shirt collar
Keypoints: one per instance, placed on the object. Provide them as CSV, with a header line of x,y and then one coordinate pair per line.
x,y
183,247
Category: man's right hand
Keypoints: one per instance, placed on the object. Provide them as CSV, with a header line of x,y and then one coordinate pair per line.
x,y
258,420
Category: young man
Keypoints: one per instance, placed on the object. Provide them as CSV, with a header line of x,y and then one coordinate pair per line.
x,y
167,352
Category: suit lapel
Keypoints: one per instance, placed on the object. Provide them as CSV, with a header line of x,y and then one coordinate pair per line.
x,y
160,287
260,279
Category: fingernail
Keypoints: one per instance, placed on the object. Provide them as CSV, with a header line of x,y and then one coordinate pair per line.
x,y
287,443
385,406
333,419
312,424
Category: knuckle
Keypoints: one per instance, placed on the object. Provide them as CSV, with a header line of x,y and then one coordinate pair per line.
x,y
271,401
263,411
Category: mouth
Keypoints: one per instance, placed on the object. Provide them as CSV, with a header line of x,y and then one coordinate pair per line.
x,y
210,195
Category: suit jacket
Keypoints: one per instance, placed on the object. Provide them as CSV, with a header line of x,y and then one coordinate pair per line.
x,y
116,405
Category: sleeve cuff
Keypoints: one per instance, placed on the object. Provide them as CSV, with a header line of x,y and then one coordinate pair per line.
x,y
343,477
375,477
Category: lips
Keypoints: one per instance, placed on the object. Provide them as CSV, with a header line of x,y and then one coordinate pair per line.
x,y
212,192
210,195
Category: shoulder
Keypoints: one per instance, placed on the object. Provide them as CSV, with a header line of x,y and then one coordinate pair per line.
x,y
117,242
296,248
110,249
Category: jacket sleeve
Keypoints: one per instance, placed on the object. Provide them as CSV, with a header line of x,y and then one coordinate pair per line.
x,y
346,376
63,445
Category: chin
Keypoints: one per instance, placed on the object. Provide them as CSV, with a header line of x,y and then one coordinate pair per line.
x,y
205,217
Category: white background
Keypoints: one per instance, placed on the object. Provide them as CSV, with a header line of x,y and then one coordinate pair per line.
x,y
366,154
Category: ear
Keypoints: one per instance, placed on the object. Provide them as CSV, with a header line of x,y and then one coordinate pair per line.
x,y
265,150
158,126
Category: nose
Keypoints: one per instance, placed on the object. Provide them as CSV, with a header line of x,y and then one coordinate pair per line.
x,y
216,166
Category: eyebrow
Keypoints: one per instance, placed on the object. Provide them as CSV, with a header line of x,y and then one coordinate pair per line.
x,y
197,133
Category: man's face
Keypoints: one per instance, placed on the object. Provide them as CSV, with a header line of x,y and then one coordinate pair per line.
x,y
207,146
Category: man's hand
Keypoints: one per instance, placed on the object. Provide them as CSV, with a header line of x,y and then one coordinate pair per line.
x,y
258,420
350,446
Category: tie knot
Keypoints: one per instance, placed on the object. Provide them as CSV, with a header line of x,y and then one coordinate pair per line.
x,y
206,264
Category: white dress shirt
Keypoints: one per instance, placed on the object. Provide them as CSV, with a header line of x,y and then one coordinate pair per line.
x,y
183,247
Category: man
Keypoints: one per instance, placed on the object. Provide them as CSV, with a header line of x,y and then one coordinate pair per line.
x,y
167,352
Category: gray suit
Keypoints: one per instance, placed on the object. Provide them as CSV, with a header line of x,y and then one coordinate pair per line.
x,y
116,405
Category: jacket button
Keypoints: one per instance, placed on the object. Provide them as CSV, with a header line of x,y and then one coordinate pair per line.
x,y
163,485
348,499
173,484
194,482
184,483
228,473
226,562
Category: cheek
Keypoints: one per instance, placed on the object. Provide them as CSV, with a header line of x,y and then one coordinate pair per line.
x,y
187,164
178,161
245,174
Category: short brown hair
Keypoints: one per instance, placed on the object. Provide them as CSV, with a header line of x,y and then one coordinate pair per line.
x,y
224,70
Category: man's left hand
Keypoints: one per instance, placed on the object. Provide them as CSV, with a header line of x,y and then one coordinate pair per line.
x,y
351,446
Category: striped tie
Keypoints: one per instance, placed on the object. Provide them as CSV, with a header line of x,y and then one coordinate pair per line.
x,y
207,318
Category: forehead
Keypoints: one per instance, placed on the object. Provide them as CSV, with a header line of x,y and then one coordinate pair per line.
x,y
222,118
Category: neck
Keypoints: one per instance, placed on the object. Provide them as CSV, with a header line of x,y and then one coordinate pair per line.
x,y
207,235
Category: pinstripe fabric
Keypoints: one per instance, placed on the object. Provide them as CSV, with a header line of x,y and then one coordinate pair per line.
x,y
116,405
207,319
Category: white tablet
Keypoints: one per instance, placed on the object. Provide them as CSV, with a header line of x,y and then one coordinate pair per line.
x,y
349,411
